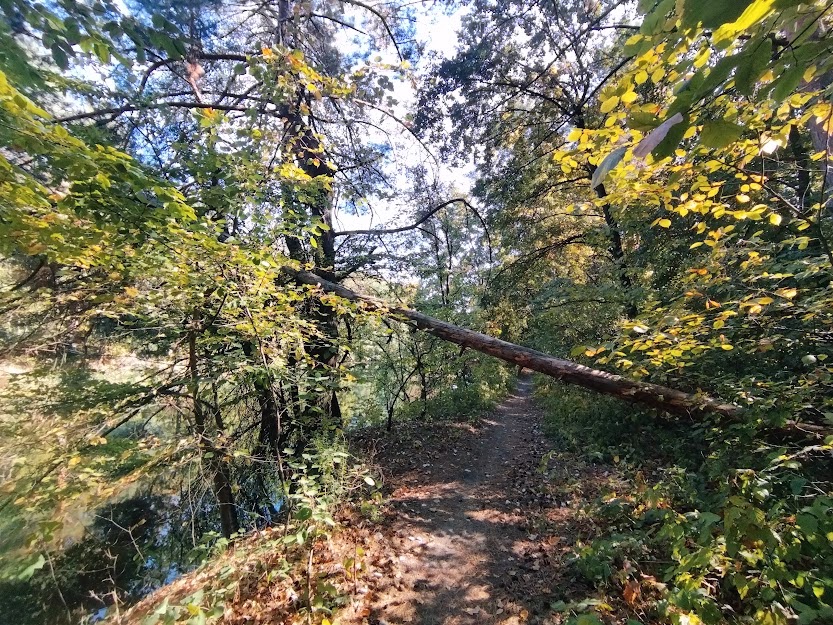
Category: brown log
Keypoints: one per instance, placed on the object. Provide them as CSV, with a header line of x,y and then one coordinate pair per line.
x,y
567,371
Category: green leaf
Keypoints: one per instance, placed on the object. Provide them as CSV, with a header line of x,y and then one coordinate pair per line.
x,y
606,166
654,21
719,133
102,51
717,76
682,103
656,136
808,523
174,48
667,146
753,65
712,13
59,56
797,485
787,83
30,570
642,121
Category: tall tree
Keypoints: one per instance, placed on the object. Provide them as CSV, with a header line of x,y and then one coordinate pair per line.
x,y
524,76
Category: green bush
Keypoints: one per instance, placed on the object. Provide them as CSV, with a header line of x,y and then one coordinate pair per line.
x,y
734,531
605,428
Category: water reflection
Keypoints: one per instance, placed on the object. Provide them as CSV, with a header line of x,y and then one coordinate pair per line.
x,y
130,549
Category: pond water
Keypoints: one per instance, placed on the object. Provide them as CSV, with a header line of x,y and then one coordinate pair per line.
x,y
130,549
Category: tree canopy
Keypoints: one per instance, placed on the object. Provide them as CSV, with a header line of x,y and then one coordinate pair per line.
x,y
187,326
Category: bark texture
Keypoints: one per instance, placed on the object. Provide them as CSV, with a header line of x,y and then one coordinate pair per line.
x,y
567,371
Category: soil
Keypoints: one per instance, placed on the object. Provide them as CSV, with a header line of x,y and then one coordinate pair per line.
x,y
474,530
477,525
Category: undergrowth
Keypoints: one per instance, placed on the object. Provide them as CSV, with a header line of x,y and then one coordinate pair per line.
x,y
707,525
215,575
236,580
462,403
465,397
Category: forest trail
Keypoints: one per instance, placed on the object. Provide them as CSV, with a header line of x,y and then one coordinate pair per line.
x,y
463,543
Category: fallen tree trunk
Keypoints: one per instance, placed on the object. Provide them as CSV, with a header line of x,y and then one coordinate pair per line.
x,y
567,371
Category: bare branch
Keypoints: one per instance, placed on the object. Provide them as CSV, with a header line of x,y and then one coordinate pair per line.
x,y
422,220
382,18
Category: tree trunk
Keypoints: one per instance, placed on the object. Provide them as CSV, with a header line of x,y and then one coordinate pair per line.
x,y
567,371
616,249
309,155
212,457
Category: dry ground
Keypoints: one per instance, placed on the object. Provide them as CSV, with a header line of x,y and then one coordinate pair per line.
x,y
474,532
474,528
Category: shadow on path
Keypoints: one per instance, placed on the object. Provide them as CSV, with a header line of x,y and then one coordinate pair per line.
x,y
461,547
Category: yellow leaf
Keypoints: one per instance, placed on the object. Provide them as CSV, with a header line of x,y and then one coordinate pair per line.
x,y
775,219
702,58
718,324
574,135
641,77
629,97
658,74
787,293
727,347
665,223
610,104
754,13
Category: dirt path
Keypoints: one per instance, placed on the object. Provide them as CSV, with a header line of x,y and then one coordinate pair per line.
x,y
472,532
463,542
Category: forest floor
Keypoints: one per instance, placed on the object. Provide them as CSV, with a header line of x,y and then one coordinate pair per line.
x,y
479,524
